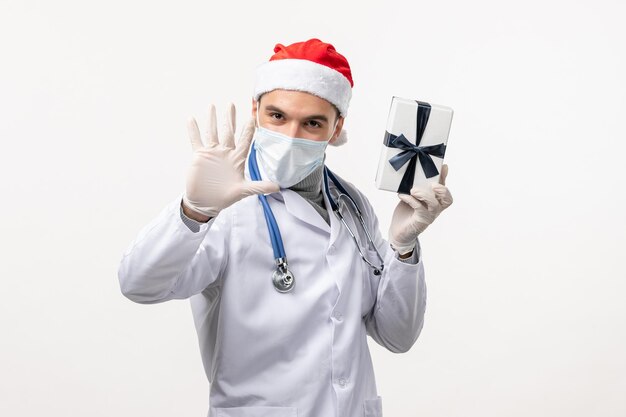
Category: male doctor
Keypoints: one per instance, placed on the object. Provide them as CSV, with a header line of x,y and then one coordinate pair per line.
x,y
300,351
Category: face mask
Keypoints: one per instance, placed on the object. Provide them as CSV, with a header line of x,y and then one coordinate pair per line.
x,y
287,160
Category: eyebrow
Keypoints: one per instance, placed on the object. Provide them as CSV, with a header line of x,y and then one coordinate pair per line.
x,y
270,107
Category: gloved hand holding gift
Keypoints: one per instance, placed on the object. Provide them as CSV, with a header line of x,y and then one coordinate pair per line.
x,y
411,163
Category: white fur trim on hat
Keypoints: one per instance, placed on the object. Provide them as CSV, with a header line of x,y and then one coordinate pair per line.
x,y
307,76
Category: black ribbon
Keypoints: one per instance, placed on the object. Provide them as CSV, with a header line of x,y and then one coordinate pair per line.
x,y
410,153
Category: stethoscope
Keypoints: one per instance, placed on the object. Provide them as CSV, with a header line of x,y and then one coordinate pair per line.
x,y
282,278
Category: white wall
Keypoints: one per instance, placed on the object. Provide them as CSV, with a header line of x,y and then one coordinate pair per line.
x,y
525,271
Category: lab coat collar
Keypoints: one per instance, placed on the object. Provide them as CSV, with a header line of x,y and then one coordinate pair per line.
x,y
300,208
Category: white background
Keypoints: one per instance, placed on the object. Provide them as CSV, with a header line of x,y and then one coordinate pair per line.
x,y
526,308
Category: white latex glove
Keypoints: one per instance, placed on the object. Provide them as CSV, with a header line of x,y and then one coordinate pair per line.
x,y
215,179
417,211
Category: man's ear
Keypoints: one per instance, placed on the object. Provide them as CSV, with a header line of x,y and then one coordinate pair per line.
x,y
337,131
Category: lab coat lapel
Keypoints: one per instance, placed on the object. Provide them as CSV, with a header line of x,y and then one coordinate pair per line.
x,y
338,251
335,223
301,209
298,207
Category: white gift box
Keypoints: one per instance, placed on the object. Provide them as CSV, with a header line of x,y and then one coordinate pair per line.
x,y
414,144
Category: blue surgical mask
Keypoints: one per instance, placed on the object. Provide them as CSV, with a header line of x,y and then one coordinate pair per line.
x,y
287,160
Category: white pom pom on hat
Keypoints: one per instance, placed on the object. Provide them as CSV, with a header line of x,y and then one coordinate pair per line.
x,y
313,67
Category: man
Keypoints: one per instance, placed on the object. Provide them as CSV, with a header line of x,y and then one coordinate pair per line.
x,y
302,350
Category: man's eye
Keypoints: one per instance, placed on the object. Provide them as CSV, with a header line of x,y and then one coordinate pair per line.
x,y
314,123
277,116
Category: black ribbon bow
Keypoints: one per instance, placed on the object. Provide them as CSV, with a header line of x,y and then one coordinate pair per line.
x,y
410,153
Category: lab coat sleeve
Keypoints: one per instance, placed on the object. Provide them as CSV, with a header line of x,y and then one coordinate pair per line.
x,y
397,317
168,260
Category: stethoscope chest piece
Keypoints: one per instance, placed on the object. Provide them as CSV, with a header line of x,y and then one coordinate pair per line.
x,y
282,278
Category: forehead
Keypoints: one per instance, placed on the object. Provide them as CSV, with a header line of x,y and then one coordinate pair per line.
x,y
297,103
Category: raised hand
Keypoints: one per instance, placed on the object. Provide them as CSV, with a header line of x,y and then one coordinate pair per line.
x,y
215,179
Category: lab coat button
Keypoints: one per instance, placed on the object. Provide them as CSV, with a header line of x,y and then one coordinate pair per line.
x,y
337,315
342,382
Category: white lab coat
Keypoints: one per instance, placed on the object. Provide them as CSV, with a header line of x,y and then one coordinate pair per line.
x,y
267,354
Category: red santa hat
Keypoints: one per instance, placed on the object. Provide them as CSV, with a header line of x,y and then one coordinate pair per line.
x,y
313,67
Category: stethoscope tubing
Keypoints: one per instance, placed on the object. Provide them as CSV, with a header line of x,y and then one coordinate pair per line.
x,y
270,220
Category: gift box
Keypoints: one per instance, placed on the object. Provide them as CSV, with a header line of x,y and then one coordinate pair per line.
x,y
414,144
